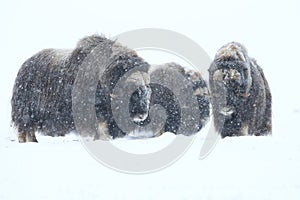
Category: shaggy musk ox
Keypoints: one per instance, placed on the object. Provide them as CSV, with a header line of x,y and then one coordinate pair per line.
x,y
42,94
241,98
183,96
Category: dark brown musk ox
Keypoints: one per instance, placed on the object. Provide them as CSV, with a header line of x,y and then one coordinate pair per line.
x,y
182,98
42,93
240,94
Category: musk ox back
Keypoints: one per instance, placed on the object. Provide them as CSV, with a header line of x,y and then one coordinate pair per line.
x,y
42,94
241,98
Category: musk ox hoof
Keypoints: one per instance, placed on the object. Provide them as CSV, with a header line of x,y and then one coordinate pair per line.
x,y
240,94
23,137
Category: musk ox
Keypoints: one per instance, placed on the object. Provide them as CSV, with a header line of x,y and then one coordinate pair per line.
x,y
42,94
183,99
240,95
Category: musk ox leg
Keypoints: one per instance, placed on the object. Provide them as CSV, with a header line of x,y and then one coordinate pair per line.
x,y
27,137
103,132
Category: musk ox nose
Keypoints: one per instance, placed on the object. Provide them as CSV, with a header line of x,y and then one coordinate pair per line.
x,y
244,89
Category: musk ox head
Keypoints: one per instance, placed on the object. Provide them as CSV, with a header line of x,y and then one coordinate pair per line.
x,y
231,69
230,79
139,104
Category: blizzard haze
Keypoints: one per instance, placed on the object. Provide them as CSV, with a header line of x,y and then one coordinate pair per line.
x,y
238,168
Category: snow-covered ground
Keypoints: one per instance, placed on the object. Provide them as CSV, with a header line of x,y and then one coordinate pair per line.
x,y
238,168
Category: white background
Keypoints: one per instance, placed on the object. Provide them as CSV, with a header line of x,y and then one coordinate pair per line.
x,y
239,168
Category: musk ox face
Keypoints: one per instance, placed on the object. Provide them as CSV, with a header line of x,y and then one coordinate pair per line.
x,y
231,69
241,97
139,104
